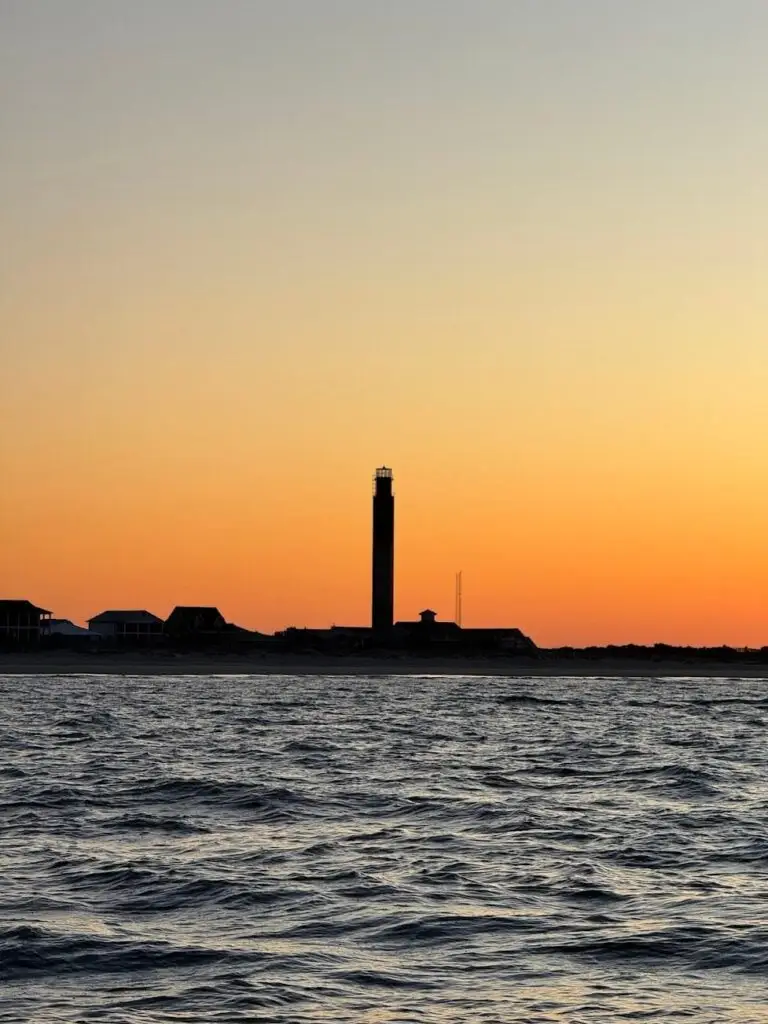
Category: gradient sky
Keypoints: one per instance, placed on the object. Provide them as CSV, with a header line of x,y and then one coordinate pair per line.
x,y
515,249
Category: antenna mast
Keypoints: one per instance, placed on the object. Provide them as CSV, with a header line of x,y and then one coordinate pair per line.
x,y
457,610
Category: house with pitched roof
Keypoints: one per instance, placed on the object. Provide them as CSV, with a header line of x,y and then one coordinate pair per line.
x,y
187,621
22,623
127,627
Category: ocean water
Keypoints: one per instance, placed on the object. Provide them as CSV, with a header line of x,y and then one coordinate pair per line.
x,y
392,849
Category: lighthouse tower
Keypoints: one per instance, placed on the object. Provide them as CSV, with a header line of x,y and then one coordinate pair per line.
x,y
383,582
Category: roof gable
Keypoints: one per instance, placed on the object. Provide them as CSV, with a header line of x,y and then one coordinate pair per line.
x,y
126,617
21,607
195,618
65,627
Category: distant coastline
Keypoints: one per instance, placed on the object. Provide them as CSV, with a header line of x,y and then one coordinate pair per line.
x,y
196,664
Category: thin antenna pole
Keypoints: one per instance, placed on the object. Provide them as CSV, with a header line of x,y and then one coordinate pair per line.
x,y
457,610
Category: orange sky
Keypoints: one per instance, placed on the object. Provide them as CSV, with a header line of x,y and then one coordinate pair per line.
x,y
524,270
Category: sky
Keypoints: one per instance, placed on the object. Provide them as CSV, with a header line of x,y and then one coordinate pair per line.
x,y
514,249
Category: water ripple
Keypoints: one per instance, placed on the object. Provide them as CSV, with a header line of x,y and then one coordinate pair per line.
x,y
399,849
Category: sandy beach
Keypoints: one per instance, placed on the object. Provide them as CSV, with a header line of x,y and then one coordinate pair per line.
x,y
136,664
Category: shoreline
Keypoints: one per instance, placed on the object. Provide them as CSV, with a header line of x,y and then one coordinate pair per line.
x,y
138,665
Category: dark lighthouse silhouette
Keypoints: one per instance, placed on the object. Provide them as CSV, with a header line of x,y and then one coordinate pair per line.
x,y
383,582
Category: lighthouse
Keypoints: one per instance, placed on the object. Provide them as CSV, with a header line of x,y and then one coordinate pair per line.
x,y
383,581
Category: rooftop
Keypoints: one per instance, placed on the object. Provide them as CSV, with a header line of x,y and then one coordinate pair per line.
x,y
21,608
120,616
196,618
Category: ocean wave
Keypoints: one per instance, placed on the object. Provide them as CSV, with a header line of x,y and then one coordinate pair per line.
x,y
433,850
697,947
536,700
139,822
29,951
274,801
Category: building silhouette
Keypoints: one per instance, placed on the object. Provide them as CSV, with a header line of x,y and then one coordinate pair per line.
x,y
25,626
133,626
429,632
383,577
22,624
195,622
